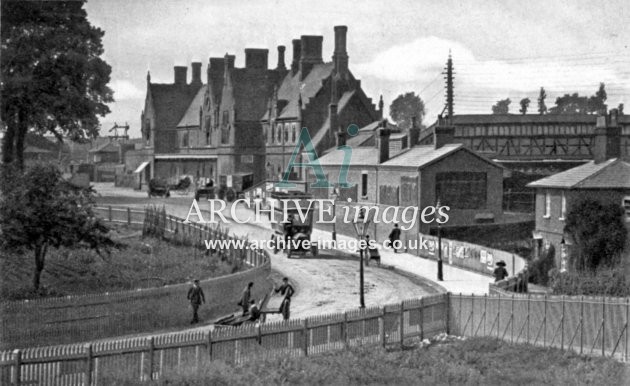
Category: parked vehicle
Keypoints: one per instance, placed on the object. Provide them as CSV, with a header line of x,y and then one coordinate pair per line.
x,y
298,231
205,191
159,188
232,186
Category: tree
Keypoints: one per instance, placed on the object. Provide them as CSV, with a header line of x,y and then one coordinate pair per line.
x,y
570,104
39,209
596,103
542,108
502,106
620,108
524,105
406,106
598,232
53,79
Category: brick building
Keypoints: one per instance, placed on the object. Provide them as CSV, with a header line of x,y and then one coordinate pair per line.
x,y
418,176
248,120
605,179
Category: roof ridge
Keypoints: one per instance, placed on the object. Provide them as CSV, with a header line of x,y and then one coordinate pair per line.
x,y
608,162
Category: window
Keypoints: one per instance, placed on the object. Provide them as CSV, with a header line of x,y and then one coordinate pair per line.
x,y
279,132
226,118
364,184
147,126
294,128
273,133
461,190
286,133
185,140
547,205
626,207
563,207
247,159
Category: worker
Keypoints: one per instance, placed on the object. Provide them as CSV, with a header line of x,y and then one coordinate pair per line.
x,y
287,291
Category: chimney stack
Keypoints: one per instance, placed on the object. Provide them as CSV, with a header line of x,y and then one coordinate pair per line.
x,y
383,143
341,138
413,133
256,58
196,73
340,55
297,54
281,65
443,135
607,143
311,53
180,74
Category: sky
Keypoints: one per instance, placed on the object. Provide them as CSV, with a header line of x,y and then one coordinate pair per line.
x,y
500,49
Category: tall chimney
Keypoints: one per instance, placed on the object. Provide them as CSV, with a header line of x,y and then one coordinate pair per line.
x,y
180,74
196,73
443,135
607,143
297,54
413,133
281,65
341,138
256,58
383,143
311,54
340,56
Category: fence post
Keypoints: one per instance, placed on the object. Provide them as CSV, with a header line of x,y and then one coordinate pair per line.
x,y
422,318
128,216
582,325
150,357
627,326
18,366
512,321
344,331
402,324
110,213
448,313
210,345
383,336
528,316
305,335
545,322
562,328
603,325
499,315
87,377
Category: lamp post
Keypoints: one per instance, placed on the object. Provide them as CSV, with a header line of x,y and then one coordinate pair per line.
x,y
440,275
563,255
334,195
361,228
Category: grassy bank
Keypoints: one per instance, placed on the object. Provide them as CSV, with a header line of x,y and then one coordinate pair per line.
x,y
140,263
478,361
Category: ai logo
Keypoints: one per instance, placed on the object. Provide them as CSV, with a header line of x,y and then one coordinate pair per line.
x,y
313,162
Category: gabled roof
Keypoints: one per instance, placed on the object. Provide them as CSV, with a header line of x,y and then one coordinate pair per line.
x,y
360,157
422,156
610,174
291,88
191,116
170,102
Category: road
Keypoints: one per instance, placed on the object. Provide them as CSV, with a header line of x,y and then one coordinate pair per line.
x,y
328,283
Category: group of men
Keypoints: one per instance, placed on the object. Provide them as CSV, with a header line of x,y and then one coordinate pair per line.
x,y
196,297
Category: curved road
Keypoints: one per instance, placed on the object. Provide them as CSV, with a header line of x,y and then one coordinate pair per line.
x,y
328,283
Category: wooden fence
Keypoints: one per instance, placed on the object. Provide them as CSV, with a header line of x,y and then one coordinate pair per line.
x,y
78,318
159,356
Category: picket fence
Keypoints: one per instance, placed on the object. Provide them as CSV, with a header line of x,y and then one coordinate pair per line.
x,y
585,325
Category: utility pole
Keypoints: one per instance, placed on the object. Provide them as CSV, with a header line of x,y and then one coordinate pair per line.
x,y
448,72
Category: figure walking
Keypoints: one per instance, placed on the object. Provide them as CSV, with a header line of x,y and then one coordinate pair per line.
x,y
245,298
196,298
500,272
287,291
394,236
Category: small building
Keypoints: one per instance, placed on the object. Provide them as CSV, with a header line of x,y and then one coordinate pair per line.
x,y
605,179
420,176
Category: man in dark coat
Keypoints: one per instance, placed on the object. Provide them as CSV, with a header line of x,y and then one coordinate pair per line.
x,y
500,272
246,297
394,235
287,291
196,298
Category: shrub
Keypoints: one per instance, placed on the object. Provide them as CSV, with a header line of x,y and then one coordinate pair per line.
x,y
608,281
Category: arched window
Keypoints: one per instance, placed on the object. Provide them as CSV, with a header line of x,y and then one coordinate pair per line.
x,y
279,129
286,133
294,128
273,134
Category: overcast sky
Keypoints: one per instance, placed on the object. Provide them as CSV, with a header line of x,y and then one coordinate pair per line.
x,y
500,48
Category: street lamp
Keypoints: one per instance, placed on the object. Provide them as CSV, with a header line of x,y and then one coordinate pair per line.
x,y
440,275
361,227
563,255
334,195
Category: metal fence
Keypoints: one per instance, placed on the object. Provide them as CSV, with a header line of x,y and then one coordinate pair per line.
x,y
159,356
586,325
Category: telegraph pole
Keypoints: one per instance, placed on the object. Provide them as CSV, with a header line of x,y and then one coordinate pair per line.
x,y
448,72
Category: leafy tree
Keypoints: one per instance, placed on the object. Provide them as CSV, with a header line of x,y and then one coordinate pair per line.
x,y
596,103
598,232
502,106
406,106
524,105
575,104
620,108
39,209
542,107
53,79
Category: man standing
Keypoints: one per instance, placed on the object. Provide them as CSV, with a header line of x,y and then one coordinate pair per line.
x,y
394,236
287,290
245,297
196,297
